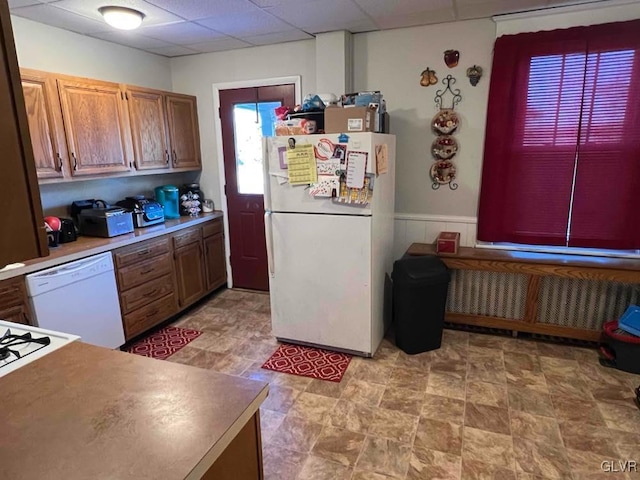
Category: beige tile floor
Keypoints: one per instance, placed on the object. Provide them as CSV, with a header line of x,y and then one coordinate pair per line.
x,y
480,407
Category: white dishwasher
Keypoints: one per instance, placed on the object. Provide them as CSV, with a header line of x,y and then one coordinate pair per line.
x,y
80,298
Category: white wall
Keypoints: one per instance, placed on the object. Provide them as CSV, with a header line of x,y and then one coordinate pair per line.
x,y
52,49
391,61
196,74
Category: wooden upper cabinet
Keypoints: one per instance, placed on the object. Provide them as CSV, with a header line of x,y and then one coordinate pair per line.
x,y
148,128
96,126
184,137
45,123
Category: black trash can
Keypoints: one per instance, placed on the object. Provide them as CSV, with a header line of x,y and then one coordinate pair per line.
x,y
420,286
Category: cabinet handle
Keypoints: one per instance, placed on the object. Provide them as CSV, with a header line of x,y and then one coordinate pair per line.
x,y
166,153
152,313
75,161
175,158
59,162
144,252
144,272
151,293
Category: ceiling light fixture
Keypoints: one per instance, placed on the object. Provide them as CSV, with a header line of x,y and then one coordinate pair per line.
x,y
121,17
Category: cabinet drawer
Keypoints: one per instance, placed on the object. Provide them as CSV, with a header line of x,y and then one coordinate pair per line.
x,y
149,316
142,251
211,228
144,271
188,236
12,292
139,296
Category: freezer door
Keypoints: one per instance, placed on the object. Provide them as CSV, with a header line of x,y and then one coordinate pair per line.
x,y
280,196
321,280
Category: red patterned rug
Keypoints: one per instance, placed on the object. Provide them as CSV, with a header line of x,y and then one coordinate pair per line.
x,y
308,362
164,342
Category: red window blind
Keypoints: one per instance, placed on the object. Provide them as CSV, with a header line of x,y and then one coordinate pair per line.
x,y
562,148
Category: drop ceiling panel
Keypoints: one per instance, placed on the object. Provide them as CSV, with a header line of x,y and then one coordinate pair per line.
x,y
320,16
219,45
61,18
250,23
379,8
23,3
131,39
271,38
182,33
173,51
195,10
89,9
415,19
468,9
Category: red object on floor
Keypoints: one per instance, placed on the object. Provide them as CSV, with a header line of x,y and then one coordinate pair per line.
x,y
308,362
164,343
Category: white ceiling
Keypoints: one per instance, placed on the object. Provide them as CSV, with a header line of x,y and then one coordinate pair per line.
x,y
185,27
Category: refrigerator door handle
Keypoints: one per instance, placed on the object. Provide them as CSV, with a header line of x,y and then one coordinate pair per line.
x,y
269,238
267,178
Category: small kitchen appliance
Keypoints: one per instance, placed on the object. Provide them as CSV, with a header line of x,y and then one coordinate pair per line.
x,y
68,231
105,222
190,199
168,196
145,212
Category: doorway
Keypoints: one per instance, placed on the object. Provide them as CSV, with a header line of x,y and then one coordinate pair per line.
x,y
246,115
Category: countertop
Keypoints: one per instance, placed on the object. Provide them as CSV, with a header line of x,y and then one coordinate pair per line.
x,y
87,246
86,412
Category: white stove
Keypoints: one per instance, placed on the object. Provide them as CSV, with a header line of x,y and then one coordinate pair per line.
x,y
21,344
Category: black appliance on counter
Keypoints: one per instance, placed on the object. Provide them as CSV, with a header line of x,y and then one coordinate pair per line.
x,y
105,222
145,212
68,232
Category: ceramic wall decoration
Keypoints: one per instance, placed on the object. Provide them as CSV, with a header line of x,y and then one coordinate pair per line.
x,y
474,73
428,77
444,146
445,121
443,172
451,58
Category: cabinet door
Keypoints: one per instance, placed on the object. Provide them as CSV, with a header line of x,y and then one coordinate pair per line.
x,y
13,301
215,261
148,128
189,273
184,137
96,126
23,236
45,124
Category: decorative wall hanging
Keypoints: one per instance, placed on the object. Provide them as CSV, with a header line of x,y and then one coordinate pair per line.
x,y
428,77
451,58
474,73
444,124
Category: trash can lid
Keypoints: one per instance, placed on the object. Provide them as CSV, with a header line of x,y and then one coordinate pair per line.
x,y
423,269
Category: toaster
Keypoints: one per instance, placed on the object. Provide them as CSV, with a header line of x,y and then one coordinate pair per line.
x,y
145,212
105,222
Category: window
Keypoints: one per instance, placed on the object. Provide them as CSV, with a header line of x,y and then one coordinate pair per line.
x,y
562,150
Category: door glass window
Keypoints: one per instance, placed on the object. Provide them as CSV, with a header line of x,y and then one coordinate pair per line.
x,y
251,122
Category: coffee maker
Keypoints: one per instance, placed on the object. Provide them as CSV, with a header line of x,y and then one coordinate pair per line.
x,y
169,197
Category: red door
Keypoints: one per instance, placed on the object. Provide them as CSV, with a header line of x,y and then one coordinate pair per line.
x,y
247,114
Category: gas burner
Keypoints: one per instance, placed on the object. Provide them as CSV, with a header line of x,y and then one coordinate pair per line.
x,y
4,353
11,340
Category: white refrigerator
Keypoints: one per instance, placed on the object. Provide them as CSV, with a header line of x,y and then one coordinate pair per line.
x,y
328,260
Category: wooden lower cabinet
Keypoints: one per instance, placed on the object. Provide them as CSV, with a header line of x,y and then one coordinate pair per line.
x,y
14,304
146,283
242,459
158,278
189,265
214,257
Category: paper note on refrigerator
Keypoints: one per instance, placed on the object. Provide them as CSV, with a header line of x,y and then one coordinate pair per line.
x,y
326,186
382,161
356,168
301,161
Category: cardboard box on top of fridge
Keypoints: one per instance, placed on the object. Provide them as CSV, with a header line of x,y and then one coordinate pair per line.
x,y
448,242
349,119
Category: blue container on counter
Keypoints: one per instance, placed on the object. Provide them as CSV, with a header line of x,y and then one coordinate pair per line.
x,y
169,197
